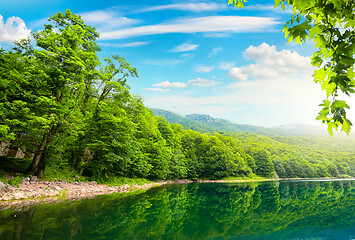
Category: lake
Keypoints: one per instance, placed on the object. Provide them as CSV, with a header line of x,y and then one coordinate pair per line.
x,y
269,210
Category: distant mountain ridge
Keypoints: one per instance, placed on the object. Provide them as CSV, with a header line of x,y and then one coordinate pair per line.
x,y
205,123
204,118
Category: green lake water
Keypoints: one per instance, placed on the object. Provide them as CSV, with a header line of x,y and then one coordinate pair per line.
x,y
272,210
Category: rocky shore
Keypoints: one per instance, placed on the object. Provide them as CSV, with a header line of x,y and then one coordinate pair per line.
x,y
32,192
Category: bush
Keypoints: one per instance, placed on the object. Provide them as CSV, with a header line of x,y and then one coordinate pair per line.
x,y
119,181
15,181
52,172
344,176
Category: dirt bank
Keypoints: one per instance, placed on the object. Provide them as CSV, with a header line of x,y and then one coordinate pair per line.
x,y
36,192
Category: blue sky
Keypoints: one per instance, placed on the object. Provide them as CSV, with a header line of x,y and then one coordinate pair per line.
x,y
195,56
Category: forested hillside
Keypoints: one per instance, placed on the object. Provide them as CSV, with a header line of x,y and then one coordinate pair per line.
x,y
67,111
207,124
294,154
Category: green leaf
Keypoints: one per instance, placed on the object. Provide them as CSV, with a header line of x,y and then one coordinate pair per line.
x,y
331,125
346,126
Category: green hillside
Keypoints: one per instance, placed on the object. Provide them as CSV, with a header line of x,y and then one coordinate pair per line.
x,y
206,124
185,122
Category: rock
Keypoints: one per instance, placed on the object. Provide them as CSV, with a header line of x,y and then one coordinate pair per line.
x,y
19,195
181,181
33,178
25,179
2,186
93,183
10,188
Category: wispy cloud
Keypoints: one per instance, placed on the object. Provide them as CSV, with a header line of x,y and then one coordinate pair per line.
x,y
197,25
216,35
204,69
168,84
226,65
158,89
107,20
185,47
123,45
203,82
192,7
13,29
214,51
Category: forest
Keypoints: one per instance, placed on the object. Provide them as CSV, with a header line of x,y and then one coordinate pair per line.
x,y
69,113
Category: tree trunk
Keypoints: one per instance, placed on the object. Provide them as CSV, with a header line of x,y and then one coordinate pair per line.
x,y
41,165
38,157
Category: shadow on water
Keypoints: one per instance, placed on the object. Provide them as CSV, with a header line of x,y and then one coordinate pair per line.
x,y
273,210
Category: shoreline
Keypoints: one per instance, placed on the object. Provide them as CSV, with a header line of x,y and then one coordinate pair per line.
x,y
237,180
37,192
265,180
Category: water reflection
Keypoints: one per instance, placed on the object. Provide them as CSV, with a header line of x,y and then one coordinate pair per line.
x,y
285,210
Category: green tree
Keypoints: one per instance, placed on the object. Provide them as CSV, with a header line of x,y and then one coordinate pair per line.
x,y
330,25
263,163
66,54
108,129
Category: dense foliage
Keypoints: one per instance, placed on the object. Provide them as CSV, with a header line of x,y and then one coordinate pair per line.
x,y
67,110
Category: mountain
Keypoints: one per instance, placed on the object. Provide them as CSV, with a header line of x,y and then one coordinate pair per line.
x,y
187,123
224,125
207,124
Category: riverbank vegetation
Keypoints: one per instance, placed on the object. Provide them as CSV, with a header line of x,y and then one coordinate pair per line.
x,y
72,116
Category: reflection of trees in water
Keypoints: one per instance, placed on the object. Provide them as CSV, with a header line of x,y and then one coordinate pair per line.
x,y
193,211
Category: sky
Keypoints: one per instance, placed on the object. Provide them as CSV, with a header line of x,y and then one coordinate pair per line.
x,y
195,56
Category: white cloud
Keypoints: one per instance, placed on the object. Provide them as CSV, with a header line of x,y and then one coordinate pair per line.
x,y
193,7
269,63
204,69
123,45
185,47
226,65
13,30
216,35
157,89
237,73
214,51
168,84
106,20
195,25
203,82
